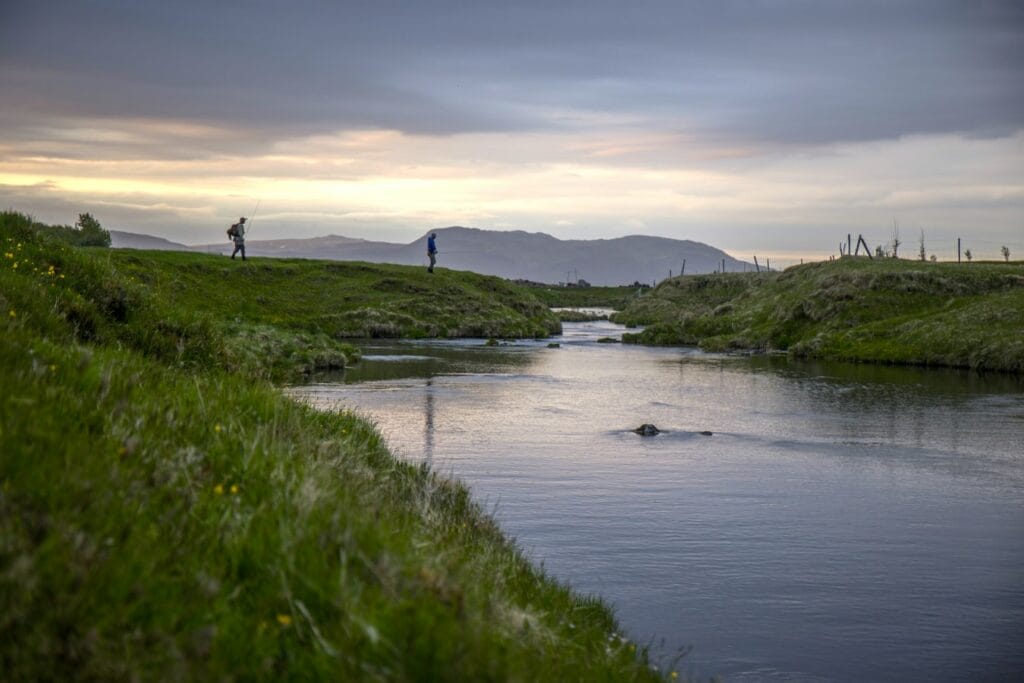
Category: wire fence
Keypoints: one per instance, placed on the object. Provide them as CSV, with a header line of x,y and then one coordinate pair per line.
x,y
945,250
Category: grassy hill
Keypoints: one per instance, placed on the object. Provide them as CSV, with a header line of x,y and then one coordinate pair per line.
x,y
341,299
278,316
166,514
891,311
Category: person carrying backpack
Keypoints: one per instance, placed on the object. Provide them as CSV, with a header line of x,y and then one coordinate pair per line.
x,y
237,234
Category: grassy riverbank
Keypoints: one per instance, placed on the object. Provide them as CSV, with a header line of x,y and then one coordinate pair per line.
x,y
891,311
165,513
586,297
341,299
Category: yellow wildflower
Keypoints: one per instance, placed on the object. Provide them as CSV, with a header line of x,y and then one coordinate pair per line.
x,y
216,427
218,489
284,620
234,489
12,314
675,675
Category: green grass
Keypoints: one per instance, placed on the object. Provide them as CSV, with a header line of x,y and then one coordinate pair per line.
x,y
943,314
168,514
583,297
341,299
579,316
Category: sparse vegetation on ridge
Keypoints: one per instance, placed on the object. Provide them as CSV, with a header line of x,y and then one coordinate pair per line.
x,y
165,514
890,311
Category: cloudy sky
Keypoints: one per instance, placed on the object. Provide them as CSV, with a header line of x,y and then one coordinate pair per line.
x,y
758,126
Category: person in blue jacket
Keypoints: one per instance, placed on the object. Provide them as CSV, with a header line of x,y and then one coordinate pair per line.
x,y
432,251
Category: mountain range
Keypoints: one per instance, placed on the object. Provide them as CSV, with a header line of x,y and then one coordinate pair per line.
x,y
515,255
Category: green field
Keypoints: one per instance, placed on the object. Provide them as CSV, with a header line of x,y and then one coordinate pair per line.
x,y
166,513
892,311
341,299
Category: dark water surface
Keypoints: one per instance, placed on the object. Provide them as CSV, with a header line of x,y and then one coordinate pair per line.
x,y
844,522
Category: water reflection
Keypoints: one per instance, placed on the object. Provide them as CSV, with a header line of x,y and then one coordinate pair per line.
x,y
844,522
941,411
394,360
428,427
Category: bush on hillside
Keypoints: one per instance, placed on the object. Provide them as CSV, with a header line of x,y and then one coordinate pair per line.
x,y
87,231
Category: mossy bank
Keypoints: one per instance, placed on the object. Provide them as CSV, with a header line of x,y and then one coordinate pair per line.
x,y
885,310
166,514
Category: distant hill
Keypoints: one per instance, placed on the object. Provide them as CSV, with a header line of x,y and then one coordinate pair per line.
x,y
132,240
517,255
332,247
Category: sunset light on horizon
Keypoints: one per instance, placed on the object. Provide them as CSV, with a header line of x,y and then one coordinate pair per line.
x,y
710,122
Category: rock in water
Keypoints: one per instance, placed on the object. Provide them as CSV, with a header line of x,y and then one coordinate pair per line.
x,y
647,430
705,433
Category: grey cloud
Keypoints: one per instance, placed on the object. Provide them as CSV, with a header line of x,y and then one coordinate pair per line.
x,y
771,73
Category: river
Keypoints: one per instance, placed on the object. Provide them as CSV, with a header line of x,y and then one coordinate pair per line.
x,y
841,523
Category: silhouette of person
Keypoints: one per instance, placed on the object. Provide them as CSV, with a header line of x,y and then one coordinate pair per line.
x,y
237,234
432,251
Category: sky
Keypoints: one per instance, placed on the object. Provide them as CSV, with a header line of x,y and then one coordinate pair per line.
x,y
760,127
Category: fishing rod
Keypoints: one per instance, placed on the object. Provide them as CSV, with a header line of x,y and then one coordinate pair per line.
x,y
253,218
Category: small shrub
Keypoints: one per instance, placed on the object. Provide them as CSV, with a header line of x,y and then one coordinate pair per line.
x,y
90,232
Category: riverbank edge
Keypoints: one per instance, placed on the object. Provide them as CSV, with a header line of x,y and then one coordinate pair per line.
x,y
883,312
166,517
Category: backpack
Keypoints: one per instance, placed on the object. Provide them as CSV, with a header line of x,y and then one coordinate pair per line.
x,y
233,230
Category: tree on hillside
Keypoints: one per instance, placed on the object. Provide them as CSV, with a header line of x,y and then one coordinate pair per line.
x,y
90,232
968,255
895,238
923,254
1006,253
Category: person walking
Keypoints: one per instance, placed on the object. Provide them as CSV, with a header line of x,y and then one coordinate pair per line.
x,y
432,251
237,234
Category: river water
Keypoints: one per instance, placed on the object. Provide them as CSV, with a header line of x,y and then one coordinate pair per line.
x,y
842,523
